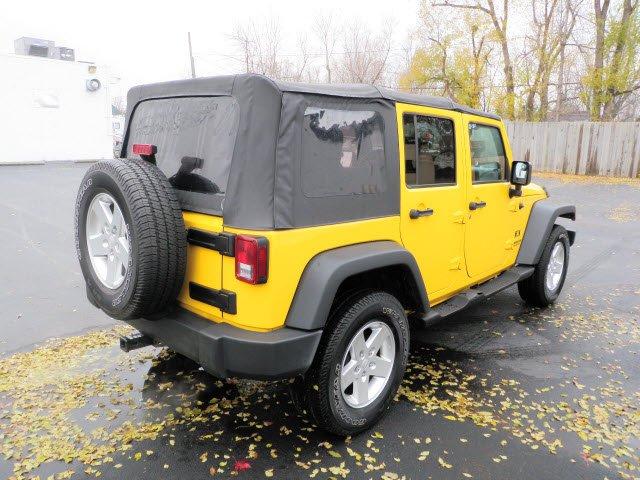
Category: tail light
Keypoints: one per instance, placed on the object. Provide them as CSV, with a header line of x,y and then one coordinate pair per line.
x,y
252,259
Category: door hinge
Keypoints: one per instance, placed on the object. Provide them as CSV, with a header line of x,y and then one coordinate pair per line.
x,y
222,242
222,299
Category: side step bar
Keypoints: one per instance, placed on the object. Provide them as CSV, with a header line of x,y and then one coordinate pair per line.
x,y
135,341
477,293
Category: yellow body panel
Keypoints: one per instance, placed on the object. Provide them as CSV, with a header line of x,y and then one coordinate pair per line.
x,y
455,248
265,307
204,266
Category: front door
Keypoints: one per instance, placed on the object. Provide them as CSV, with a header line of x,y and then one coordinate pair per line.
x,y
489,236
433,195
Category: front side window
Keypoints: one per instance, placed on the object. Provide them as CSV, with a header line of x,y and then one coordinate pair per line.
x,y
343,152
429,149
488,160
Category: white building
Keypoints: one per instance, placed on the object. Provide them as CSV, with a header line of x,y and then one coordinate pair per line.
x,y
53,109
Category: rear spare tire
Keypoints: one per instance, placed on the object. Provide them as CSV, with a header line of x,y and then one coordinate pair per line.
x,y
130,238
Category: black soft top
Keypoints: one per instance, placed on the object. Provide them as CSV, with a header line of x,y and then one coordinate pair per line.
x,y
223,85
264,189
360,90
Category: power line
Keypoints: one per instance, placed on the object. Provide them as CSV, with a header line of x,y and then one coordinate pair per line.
x,y
312,54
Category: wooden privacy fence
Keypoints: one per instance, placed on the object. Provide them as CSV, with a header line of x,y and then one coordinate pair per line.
x,y
588,148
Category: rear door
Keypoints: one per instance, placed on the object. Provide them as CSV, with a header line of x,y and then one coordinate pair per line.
x,y
433,195
194,138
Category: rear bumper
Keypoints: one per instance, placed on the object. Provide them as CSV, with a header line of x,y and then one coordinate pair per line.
x,y
227,351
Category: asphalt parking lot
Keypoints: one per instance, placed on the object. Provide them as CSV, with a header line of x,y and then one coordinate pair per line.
x,y
500,391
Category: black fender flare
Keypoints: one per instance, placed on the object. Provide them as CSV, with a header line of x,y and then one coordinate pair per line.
x,y
325,272
541,220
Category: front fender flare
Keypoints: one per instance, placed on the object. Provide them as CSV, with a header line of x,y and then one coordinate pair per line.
x,y
542,219
326,271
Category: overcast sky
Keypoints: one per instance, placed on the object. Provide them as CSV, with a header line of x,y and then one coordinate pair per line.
x,y
146,41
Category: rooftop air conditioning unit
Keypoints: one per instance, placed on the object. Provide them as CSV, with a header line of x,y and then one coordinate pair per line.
x,y
37,47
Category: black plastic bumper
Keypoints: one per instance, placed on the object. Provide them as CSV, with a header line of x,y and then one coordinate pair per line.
x,y
226,351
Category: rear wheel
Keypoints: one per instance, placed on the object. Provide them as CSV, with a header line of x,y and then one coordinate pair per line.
x,y
545,285
359,364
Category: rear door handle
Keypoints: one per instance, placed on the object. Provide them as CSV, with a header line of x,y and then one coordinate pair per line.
x,y
427,212
477,205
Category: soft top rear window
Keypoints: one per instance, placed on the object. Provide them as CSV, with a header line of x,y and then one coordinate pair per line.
x,y
195,138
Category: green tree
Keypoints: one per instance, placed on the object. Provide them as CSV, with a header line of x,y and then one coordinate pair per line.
x,y
498,17
448,66
615,72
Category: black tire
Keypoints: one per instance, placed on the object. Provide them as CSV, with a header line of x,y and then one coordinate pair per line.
x,y
157,236
534,290
322,391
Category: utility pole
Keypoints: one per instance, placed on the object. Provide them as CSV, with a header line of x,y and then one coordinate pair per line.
x,y
193,66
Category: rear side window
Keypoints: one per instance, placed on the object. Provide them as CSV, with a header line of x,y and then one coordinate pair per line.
x,y
488,160
195,137
342,152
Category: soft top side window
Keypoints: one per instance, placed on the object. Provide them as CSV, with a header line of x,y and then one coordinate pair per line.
x,y
488,158
342,152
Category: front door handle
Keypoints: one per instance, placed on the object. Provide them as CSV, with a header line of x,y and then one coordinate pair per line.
x,y
477,205
413,213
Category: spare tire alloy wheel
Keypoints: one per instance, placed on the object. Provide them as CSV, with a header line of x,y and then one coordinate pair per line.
x,y
108,240
130,239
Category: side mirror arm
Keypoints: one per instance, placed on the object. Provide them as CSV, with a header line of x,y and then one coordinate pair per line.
x,y
516,191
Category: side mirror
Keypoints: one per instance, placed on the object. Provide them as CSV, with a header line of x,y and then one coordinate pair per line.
x,y
521,173
520,176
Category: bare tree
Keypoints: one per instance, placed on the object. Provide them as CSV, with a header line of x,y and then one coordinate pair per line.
x,y
261,47
326,32
365,56
552,26
568,10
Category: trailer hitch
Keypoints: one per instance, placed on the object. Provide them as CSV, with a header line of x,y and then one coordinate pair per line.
x,y
135,341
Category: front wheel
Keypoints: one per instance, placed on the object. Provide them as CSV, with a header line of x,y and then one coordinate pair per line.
x,y
360,363
544,286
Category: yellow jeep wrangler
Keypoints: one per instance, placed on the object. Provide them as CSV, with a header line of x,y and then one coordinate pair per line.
x,y
273,230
